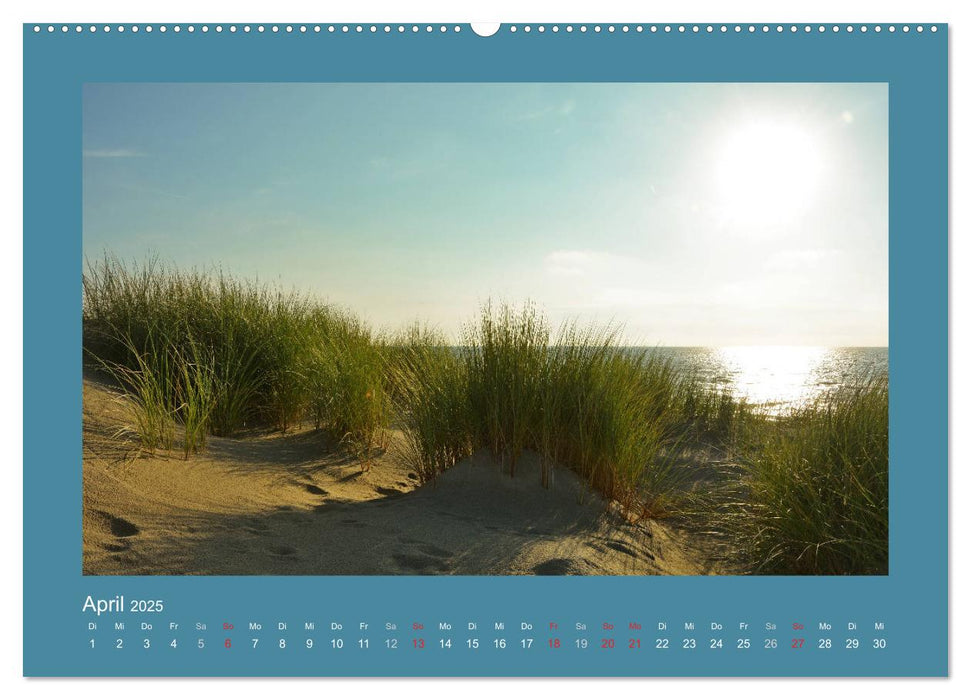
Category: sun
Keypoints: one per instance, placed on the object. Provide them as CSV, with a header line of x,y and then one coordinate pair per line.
x,y
767,173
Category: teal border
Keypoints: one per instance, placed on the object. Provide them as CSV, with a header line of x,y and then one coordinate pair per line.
x,y
912,600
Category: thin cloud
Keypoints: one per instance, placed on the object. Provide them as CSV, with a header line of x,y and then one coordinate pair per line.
x,y
154,191
563,109
802,259
113,153
593,264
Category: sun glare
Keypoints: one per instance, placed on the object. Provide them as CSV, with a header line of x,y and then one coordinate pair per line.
x,y
765,374
767,173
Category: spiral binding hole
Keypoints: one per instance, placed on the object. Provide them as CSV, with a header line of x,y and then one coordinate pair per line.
x,y
512,29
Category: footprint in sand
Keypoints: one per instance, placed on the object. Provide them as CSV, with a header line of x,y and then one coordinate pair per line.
x,y
556,567
420,563
434,551
428,559
625,549
119,527
388,492
315,490
255,527
283,551
620,547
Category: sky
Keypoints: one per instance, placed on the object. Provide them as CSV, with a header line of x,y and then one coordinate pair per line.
x,y
690,214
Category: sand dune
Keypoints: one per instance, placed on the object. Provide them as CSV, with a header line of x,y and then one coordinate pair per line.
x,y
289,504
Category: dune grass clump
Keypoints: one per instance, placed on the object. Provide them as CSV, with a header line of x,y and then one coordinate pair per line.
x,y
250,334
429,384
237,381
712,414
170,393
255,353
151,395
578,398
195,398
355,407
504,354
816,498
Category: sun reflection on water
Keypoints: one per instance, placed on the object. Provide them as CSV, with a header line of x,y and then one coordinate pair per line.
x,y
772,375
779,377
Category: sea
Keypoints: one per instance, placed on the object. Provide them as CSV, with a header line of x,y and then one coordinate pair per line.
x,y
778,378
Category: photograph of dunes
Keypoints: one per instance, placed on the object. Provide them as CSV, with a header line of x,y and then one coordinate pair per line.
x,y
485,329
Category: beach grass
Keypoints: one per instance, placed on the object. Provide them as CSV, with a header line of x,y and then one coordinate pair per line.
x,y
202,353
270,356
172,394
576,396
354,395
429,384
250,333
816,487
150,393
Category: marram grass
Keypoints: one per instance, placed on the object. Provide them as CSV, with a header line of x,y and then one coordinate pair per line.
x,y
264,355
576,396
171,393
202,354
815,496
429,383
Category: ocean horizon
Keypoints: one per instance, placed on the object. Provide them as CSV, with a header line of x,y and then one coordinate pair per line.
x,y
777,377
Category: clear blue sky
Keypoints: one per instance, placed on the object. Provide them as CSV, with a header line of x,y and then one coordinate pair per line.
x,y
695,214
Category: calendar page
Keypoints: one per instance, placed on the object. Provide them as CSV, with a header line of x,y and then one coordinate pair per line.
x,y
485,350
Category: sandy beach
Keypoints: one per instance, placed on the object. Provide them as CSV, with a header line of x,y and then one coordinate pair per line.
x,y
274,504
